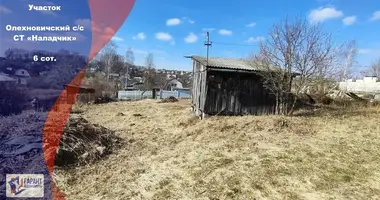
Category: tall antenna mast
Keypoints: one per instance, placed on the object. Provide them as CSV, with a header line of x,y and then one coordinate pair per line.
x,y
208,44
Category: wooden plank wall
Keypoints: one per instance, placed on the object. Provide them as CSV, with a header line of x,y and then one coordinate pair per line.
x,y
193,89
86,97
199,89
232,93
196,87
203,89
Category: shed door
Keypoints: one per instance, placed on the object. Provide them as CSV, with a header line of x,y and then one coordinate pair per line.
x,y
203,91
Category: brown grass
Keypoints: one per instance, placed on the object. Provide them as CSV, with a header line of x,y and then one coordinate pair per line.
x,y
328,154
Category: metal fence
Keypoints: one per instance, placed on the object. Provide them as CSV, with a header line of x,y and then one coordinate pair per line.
x,y
138,94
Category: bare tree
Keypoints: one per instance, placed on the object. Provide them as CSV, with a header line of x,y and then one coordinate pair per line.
x,y
374,69
293,47
149,73
185,80
117,64
112,64
100,84
107,55
129,61
149,61
130,57
346,61
160,80
117,70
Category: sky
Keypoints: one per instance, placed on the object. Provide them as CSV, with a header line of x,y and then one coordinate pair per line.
x,y
171,29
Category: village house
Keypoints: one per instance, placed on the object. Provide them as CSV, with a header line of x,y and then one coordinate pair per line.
x,y
5,78
20,74
173,84
17,71
170,76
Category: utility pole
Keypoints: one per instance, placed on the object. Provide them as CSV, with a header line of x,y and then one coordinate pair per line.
x,y
208,44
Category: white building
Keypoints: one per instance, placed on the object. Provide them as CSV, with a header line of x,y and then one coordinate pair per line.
x,y
22,76
174,83
367,84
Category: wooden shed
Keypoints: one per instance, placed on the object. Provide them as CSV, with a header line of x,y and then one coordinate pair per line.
x,y
85,93
226,86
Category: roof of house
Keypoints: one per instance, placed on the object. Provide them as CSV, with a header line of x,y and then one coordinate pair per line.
x,y
173,80
6,78
81,86
226,63
11,68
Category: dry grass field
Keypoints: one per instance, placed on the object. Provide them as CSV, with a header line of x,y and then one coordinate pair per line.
x,y
169,154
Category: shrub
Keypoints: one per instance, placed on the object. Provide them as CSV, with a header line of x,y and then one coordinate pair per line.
x,y
101,85
12,99
326,100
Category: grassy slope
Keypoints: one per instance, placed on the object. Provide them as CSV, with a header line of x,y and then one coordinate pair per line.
x,y
172,155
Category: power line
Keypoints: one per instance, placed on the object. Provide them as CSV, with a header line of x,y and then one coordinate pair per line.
x,y
235,44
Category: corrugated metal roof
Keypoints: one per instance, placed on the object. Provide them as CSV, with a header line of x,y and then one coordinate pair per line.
x,y
226,63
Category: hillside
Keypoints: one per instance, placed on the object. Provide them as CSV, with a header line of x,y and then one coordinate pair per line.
x,y
329,154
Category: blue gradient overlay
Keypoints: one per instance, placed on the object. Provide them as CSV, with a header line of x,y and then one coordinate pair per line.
x,y
22,141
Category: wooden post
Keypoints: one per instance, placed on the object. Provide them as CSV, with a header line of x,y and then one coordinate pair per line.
x,y
154,93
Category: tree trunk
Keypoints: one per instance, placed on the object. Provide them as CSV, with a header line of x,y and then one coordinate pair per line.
x,y
277,105
293,105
